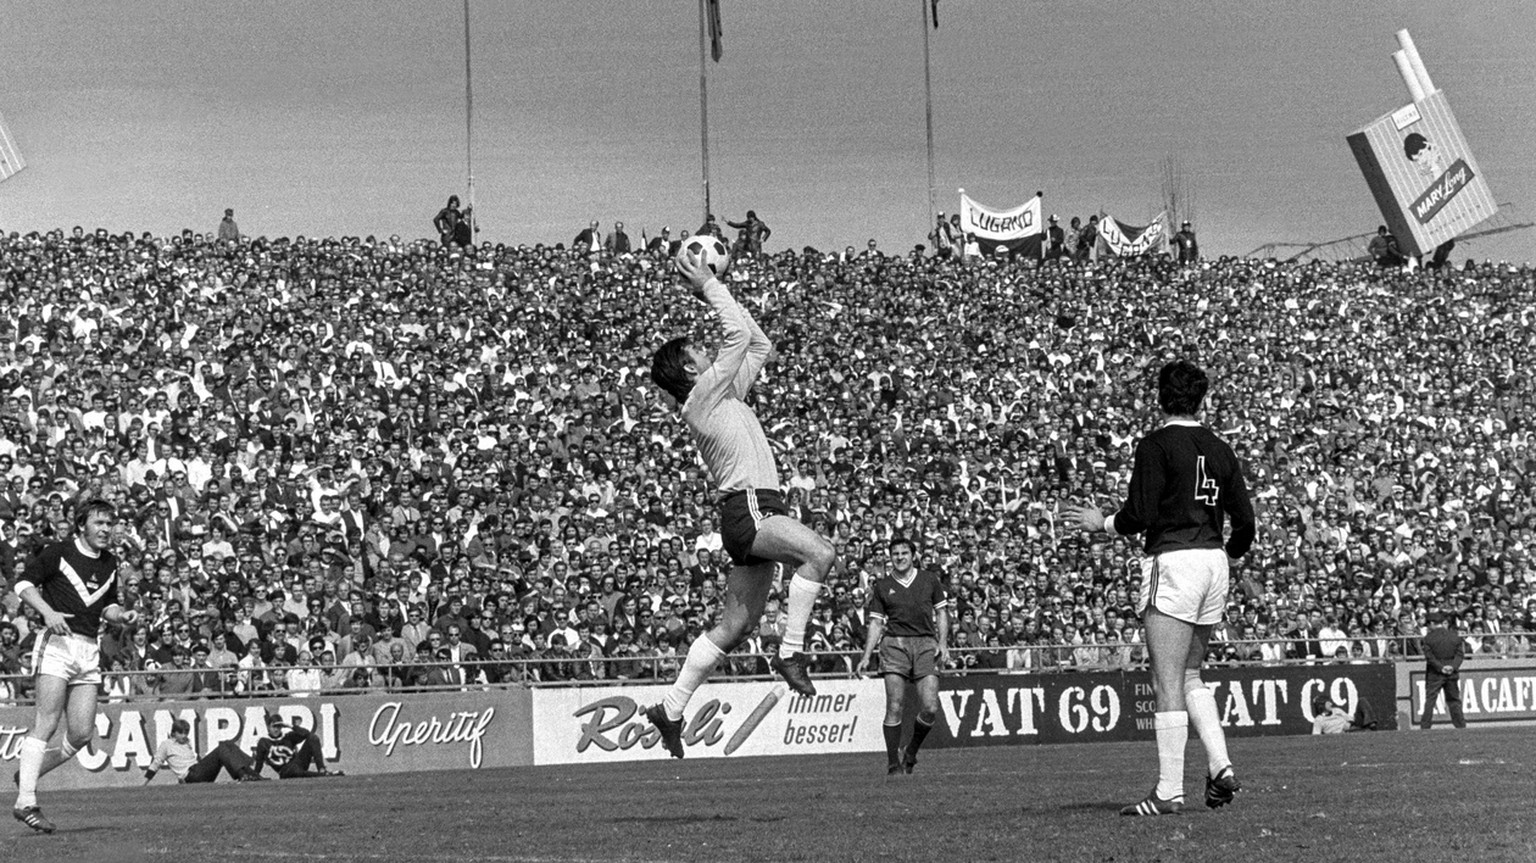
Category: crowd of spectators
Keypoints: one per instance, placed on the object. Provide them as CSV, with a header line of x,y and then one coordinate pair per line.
x,y
372,455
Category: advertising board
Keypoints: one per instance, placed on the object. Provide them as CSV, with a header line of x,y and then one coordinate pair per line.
x,y
1006,710
360,734
605,724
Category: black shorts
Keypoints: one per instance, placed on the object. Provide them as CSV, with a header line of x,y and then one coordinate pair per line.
x,y
740,514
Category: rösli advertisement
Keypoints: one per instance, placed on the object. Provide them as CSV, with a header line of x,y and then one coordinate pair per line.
x,y
1010,710
596,725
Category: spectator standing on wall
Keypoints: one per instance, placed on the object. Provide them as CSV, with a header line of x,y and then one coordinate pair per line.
x,y
1384,249
753,233
945,237
617,242
589,241
228,230
1088,240
1184,241
661,244
1055,239
711,227
446,219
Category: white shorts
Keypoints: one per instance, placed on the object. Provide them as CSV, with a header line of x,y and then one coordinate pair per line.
x,y
1189,584
73,657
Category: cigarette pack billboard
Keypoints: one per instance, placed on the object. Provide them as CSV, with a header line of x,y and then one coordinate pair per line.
x,y
1419,167
10,157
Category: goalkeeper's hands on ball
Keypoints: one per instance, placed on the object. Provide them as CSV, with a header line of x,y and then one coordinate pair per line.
x,y
694,272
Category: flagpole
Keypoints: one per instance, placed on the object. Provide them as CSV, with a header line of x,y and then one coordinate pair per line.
x,y
922,9
704,100
469,124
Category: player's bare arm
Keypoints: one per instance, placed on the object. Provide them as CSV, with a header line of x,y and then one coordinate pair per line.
x,y
54,622
942,624
119,615
871,641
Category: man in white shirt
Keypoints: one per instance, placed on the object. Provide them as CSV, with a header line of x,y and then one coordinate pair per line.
x,y
177,753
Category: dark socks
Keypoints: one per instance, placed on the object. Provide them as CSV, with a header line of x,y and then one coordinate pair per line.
x,y
892,743
920,730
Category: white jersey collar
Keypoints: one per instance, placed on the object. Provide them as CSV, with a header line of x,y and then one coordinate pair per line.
x,y
85,548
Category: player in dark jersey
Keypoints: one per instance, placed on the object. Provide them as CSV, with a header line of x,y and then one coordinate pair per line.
x,y
73,586
903,607
1185,482
291,750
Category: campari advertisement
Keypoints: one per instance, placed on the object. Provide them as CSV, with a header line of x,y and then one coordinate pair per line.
x,y
359,734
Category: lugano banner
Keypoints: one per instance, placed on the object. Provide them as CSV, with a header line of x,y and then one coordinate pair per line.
x,y
1126,241
1017,229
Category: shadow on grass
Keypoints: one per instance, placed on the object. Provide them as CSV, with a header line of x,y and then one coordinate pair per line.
x,y
1079,806
72,831
695,819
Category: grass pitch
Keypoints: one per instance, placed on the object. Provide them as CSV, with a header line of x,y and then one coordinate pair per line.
x,y
1390,796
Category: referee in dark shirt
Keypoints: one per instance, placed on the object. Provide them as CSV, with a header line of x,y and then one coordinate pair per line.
x,y
1443,653
1185,483
910,609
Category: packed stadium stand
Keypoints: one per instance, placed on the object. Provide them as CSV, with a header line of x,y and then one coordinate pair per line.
x,y
361,454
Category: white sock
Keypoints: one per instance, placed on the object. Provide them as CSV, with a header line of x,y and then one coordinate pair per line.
x,y
56,758
1172,735
702,657
1201,705
802,601
31,759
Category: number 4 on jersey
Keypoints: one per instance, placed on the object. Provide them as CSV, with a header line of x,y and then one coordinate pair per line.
x,y
1206,489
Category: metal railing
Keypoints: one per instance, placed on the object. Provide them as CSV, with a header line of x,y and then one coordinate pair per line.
x,y
299,681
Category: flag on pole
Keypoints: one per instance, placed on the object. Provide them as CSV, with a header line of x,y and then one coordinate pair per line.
x,y
934,5
10,157
716,47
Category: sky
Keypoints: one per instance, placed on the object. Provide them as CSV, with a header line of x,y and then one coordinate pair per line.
x,y
348,117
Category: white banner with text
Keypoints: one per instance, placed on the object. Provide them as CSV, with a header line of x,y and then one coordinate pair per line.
x,y
593,725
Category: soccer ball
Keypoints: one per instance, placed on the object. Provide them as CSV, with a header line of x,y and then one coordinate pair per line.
x,y
707,249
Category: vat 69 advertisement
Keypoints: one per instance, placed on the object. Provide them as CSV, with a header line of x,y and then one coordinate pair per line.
x,y
1009,710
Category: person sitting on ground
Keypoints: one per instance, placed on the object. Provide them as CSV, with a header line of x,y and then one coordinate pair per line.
x,y
178,753
291,750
